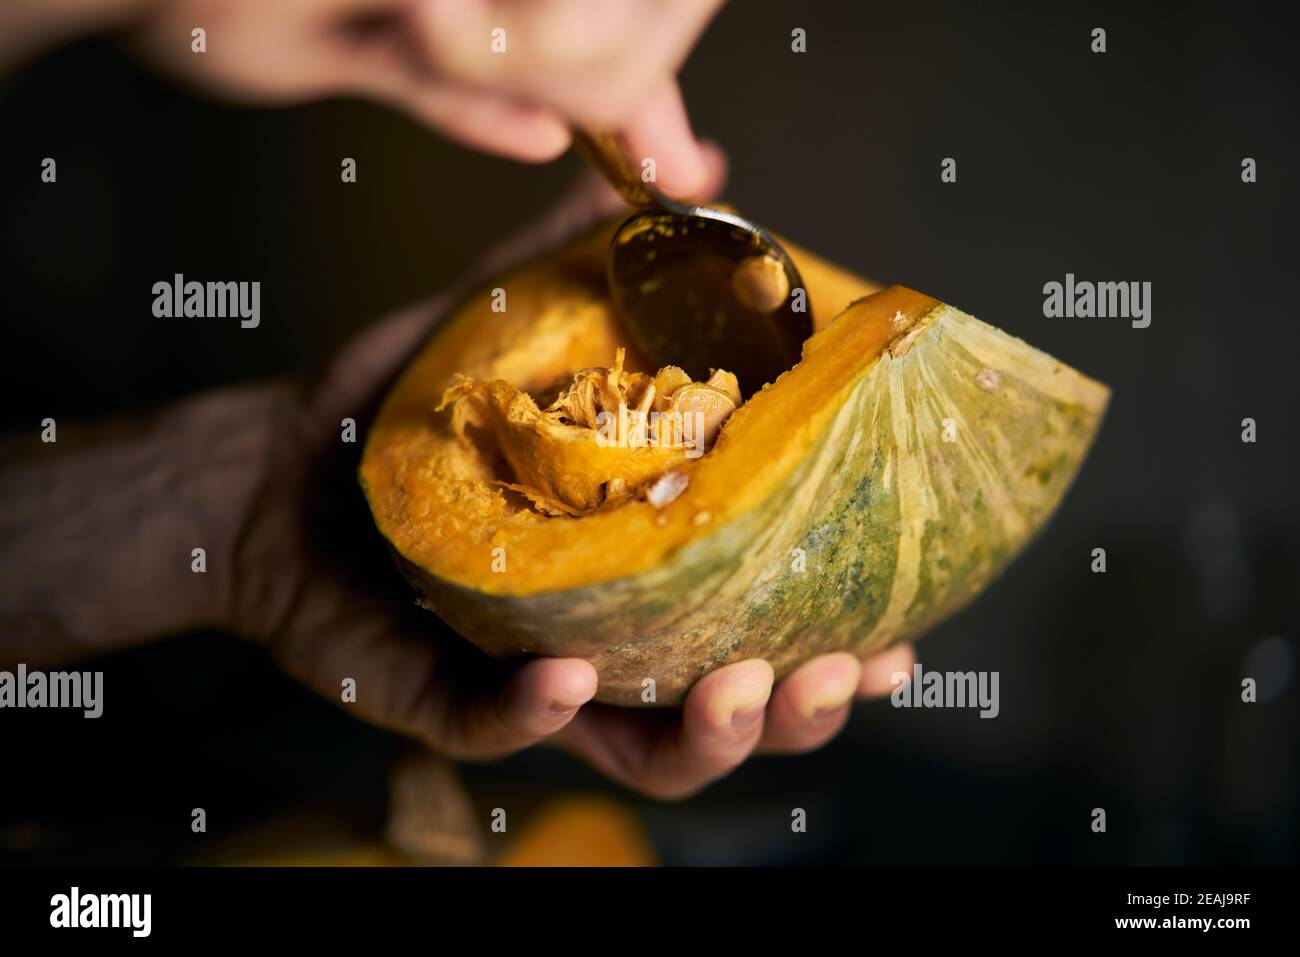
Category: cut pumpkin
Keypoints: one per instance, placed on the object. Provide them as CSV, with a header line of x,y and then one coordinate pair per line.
x,y
871,491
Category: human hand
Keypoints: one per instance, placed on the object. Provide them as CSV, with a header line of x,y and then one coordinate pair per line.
x,y
311,580
606,65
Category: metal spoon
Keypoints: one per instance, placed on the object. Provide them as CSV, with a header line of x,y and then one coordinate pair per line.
x,y
700,287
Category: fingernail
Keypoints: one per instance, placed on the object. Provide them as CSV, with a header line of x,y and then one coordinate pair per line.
x,y
839,683
744,719
560,710
829,711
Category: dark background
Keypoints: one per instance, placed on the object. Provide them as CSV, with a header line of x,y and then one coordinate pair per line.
x,y
1119,690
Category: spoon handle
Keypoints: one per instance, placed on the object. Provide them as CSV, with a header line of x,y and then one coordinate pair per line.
x,y
607,155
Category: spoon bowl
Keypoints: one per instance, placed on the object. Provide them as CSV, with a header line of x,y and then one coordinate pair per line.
x,y
706,289
697,286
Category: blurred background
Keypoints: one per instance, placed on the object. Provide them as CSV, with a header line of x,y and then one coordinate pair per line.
x,y
1119,690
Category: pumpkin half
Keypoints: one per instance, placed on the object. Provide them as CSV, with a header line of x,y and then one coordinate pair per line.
x,y
872,490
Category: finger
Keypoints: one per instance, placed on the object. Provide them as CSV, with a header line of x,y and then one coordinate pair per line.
x,y
513,46
658,129
715,161
878,671
811,705
511,78
489,122
587,59
670,756
536,701
722,721
402,680
481,119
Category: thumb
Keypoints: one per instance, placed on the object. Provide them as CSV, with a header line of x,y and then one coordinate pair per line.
x,y
537,699
659,130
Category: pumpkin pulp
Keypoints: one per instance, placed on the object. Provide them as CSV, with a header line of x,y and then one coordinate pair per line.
x,y
442,498
605,437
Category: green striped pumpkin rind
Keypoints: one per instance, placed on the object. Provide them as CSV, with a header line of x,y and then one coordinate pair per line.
x,y
899,528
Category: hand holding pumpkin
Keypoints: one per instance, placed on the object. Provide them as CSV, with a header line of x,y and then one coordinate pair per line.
x,y
296,562
312,582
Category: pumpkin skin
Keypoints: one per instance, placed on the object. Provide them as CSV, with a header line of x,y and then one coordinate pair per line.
x,y
870,492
